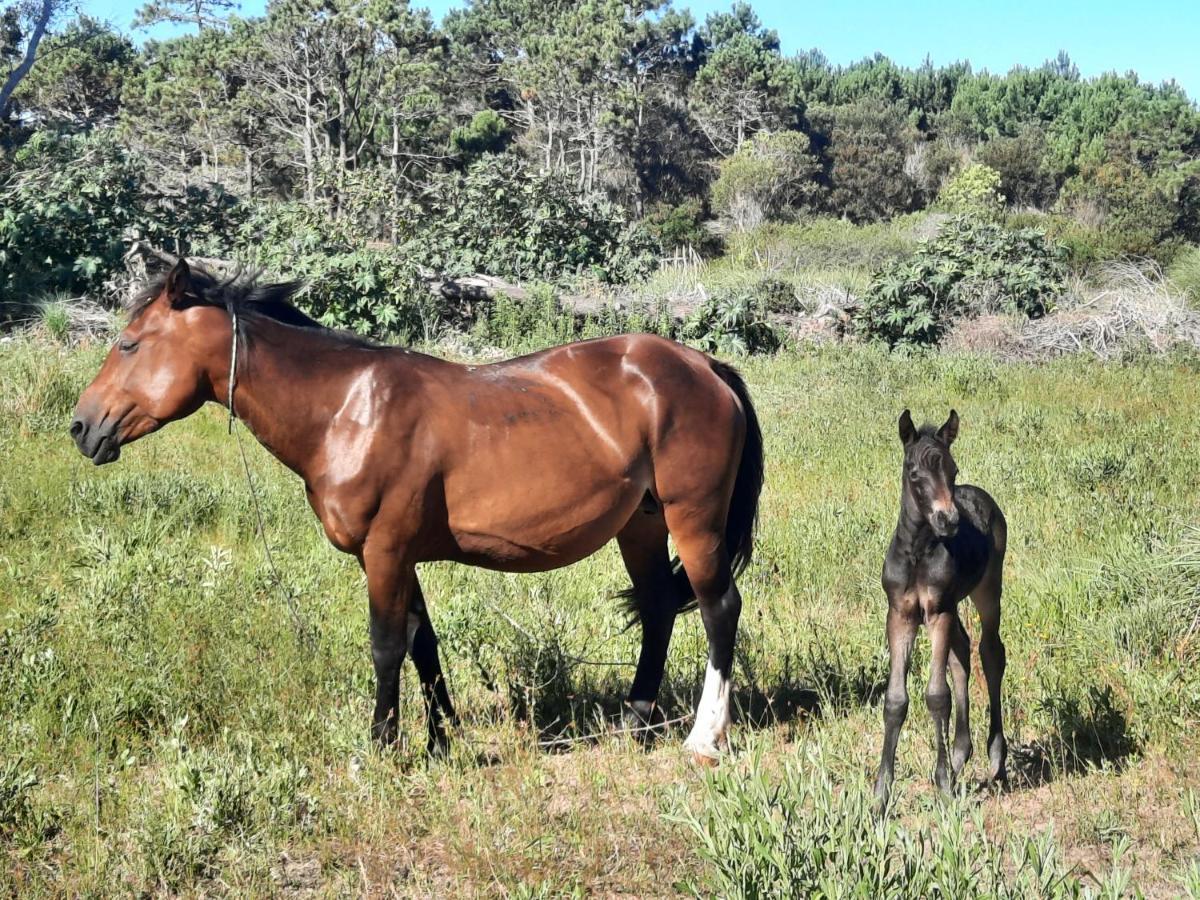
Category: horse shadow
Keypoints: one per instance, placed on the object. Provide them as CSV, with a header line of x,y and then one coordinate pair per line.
x,y
567,702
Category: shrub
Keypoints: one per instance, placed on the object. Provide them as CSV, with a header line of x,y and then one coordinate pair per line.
x,y
969,267
485,133
769,176
69,204
348,284
974,191
678,226
732,323
63,209
1020,160
502,218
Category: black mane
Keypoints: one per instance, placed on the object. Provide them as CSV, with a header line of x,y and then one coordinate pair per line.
x,y
242,294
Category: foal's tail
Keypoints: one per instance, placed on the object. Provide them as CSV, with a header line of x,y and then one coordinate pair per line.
x,y
743,505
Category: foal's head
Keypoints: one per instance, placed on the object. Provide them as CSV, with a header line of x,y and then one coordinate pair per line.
x,y
929,472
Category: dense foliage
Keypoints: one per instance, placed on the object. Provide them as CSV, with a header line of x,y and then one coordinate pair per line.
x,y
971,266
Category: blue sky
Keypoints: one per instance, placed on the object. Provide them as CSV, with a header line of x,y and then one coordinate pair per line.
x,y
1159,39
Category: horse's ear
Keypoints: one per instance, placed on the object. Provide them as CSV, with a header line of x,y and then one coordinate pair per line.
x,y
948,432
178,283
908,432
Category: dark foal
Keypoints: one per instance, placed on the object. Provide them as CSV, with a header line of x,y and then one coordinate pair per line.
x,y
949,544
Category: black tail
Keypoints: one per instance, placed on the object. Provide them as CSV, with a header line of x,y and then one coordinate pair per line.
x,y
743,506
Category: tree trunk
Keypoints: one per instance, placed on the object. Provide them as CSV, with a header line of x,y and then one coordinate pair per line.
x,y
26,63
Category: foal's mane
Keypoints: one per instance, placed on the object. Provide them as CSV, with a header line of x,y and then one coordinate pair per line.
x,y
244,294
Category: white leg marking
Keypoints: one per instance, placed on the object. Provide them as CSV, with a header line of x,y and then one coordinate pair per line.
x,y
712,716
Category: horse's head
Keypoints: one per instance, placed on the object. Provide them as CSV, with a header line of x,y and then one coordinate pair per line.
x,y
929,472
159,369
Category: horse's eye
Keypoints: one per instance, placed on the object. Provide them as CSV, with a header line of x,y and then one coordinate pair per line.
x,y
127,346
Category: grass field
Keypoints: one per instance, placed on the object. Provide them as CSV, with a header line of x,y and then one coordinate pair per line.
x,y
162,730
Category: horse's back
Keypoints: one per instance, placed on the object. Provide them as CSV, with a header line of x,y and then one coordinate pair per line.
x,y
984,513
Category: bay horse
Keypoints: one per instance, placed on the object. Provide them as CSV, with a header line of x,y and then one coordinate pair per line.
x,y
519,466
949,543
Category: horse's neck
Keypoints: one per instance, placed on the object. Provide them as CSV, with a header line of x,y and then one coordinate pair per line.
x,y
289,384
913,536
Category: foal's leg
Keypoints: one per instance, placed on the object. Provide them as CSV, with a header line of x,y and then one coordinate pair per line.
x,y
986,598
960,670
942,628
901,633
391,583
438,709
643,543
706,562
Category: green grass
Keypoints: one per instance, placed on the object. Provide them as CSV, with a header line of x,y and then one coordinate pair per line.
x,y
163,731
1184,273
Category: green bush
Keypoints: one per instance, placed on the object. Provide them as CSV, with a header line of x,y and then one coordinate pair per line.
x,y
678,226
68,205
733,323
64,206
969,267
502,218
974,191
347,283
770,176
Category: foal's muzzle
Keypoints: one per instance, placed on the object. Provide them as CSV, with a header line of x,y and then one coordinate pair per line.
x,y
99,443
945,524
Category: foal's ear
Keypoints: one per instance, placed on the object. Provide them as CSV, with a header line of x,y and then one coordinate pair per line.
x,y
908,431
178,283
948,432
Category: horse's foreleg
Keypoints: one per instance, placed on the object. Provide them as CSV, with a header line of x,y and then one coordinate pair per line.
x,y
941,627
438,709
901,633
391,583
643,543
960,672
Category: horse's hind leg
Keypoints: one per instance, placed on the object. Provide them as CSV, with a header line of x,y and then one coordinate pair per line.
x,y
986,598
706,561
960,669
643,543
424,642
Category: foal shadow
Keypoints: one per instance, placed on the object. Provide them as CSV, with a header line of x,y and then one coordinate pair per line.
x,y
1088,733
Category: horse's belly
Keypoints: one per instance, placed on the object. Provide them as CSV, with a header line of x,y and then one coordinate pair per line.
x,y
534,532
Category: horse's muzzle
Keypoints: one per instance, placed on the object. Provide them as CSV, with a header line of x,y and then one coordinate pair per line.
x,y
98,443
945,525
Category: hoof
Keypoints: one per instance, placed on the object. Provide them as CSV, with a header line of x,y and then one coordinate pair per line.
x,y
643,720
704,761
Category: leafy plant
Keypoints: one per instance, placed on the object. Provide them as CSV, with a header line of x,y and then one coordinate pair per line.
x,y
974,191
347,283
733,323
971,266
502,218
